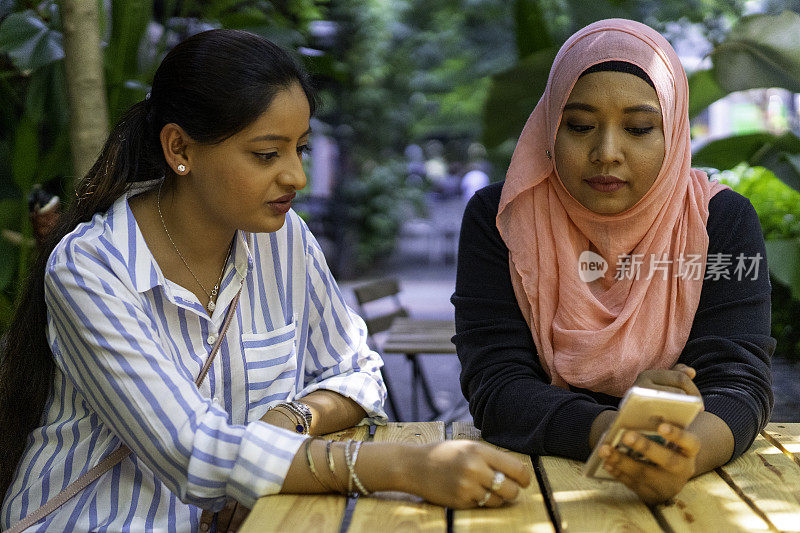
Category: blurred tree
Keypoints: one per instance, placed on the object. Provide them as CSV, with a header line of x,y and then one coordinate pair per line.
x,y
88,115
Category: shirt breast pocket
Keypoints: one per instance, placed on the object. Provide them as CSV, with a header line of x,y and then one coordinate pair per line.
x,y
271,368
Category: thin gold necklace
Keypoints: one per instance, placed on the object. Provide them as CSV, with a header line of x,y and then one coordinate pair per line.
x,y
213,294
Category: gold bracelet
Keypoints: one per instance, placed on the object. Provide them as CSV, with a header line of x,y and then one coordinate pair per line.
x,y
284,413
329,454
312,467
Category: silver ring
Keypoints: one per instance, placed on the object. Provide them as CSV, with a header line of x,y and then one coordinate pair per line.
x,y
499,477
485,498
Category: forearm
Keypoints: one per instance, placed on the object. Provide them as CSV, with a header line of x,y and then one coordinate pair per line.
x,y
330,411
716,441
380,467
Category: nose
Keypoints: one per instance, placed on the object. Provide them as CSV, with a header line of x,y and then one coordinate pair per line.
x,y
294,174
608,147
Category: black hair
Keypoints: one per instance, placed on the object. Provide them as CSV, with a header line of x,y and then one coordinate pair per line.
x,y
619,66
213,85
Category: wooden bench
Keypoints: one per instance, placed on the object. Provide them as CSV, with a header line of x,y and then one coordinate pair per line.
x,y
760,491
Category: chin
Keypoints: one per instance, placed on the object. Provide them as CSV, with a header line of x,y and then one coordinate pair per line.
x,y
270,225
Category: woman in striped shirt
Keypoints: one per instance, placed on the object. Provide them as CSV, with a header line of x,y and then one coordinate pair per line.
x,y
188,202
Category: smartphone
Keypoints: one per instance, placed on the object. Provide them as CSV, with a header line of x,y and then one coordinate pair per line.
x,y
643,409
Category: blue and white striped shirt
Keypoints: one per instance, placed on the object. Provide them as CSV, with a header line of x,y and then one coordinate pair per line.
x,y
128,345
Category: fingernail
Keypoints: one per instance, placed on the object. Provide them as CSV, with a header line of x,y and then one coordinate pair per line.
x,y
666,429
629,438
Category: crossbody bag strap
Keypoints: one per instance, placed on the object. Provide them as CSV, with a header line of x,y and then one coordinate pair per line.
x,y
115,457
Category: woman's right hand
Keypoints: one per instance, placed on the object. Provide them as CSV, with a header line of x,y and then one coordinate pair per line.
x,y
677,379
459,474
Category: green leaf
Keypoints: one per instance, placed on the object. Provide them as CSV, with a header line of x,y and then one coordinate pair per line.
x,y
783,256
25,154
532,33
777,153
513,95
129,21
29,42
760,51
703,91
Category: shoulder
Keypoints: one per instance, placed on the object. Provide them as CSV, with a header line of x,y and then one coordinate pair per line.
x,y
731,216
91,246
486,201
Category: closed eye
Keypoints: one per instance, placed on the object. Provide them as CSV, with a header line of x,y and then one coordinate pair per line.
x,y
268,156
639,131
579,128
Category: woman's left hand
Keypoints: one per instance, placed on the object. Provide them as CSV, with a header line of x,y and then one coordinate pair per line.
x,y
673,463
228,519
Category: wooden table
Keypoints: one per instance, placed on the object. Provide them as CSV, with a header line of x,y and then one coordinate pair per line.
x,y
412,337
760,491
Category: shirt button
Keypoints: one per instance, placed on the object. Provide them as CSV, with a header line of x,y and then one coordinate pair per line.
x,y
211,339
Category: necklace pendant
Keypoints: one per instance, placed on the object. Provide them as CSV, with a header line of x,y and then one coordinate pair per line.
x,y
211,306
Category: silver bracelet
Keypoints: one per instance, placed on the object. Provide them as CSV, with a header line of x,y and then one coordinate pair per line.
x,y
351,466
301,411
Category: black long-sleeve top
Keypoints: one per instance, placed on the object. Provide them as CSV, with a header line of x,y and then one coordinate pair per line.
x,y
509,394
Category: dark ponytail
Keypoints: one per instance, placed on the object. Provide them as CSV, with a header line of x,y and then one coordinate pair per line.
x,y
212,85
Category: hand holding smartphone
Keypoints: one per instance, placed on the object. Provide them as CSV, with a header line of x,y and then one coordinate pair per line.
x,y
643,409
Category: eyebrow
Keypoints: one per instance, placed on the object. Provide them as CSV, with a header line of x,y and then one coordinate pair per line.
x,y
642,108
269,137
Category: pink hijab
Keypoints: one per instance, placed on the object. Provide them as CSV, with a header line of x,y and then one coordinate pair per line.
x,y
601,334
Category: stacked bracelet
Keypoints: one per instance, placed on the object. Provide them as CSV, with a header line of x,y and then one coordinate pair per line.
x,y
301,412
311,464
351,459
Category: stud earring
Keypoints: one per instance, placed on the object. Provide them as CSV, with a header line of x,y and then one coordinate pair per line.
x,y
181,168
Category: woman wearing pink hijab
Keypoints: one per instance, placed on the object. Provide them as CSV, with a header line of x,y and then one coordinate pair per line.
x,y
603,261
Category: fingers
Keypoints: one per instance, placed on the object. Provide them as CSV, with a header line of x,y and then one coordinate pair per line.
x,y
673,380
510,466
668,457
689,371
686,441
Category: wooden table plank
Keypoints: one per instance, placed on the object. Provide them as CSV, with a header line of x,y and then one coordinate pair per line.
x,y
528,513
394,511
786,436
708,503
288,512
585,504
770,480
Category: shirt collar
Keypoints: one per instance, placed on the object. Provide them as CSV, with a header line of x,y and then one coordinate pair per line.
x,y
144,271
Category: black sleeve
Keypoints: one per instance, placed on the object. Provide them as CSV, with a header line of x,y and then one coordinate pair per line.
x,y
730,344
509,394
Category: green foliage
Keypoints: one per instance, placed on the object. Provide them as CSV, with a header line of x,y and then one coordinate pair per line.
x,y
777,205
777,153
379,202
778,209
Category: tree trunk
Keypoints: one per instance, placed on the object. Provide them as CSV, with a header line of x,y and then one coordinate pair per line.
x,y
83,59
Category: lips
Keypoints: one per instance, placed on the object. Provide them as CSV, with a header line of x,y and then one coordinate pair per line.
x,y
604,180
285,198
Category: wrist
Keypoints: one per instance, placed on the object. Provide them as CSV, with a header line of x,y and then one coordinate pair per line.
x,y
600,425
